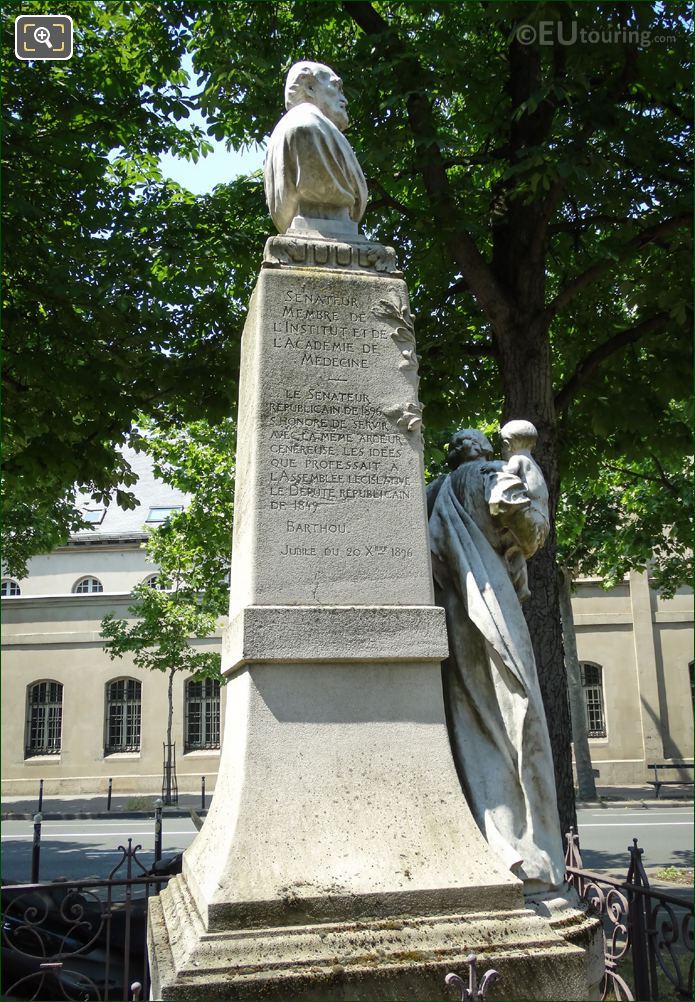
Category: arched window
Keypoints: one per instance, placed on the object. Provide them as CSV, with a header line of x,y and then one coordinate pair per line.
x,y
44,722
87,586
202,714
123,706
592,685
154,581
10,588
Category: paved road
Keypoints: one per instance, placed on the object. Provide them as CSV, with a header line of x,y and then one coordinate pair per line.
x,y
86,848
665,834
89,847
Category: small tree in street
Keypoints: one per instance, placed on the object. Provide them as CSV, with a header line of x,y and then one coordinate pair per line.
x,y
160,640
191,550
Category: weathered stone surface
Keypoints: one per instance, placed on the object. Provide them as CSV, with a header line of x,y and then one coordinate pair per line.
x,y
497,720
397,958
334,633
337,799
330,504
308,251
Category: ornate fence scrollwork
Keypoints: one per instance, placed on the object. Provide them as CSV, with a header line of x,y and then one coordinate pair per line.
x,y
77,940
650,929
81,940
670,931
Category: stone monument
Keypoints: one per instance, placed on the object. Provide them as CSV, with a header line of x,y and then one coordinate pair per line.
x,y
339,859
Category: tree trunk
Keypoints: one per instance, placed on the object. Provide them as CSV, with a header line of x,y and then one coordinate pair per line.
x,y
582,755
543,618
528,393
526,368
170,719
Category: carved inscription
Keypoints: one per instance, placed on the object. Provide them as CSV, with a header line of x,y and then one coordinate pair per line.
x,y
331,445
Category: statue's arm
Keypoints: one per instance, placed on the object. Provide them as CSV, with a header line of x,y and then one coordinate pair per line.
x,y
505,492
512,509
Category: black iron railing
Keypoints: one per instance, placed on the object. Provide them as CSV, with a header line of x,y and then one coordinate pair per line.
x,y
86,939
648,934
79,939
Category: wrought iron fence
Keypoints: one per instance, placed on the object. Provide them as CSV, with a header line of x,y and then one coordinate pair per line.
x,y
79,939
86,939
648,934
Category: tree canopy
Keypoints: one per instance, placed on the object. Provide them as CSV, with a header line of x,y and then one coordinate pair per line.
x,y
119,292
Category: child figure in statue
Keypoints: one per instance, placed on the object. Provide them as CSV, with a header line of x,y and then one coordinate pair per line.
x,y
518,441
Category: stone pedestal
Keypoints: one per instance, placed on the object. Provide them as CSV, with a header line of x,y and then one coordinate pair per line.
x,y
339,859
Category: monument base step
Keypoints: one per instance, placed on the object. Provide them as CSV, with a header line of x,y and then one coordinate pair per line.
x,y
399,958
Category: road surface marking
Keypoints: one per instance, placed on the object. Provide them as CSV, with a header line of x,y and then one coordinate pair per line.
x,y
89,835
638,814
635,824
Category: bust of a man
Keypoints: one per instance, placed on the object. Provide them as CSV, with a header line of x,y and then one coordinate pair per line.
x,y
313,181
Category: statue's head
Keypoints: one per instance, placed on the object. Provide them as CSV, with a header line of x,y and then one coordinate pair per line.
x,y
517,436
319,85
467,444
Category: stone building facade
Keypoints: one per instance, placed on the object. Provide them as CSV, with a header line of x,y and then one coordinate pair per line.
x,y
71,715
636,651
74,718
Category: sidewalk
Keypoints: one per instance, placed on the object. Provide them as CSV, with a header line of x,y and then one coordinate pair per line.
x,y
137,805
639,796
68,808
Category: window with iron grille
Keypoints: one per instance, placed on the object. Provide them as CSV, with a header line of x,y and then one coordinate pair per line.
x,y
202,714
44,722
123,711
592,686
87,586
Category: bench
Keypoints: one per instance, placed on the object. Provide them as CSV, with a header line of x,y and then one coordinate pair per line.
x,y
674,766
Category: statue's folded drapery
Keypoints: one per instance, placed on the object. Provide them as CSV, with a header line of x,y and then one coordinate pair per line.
x,y
494,705
311,163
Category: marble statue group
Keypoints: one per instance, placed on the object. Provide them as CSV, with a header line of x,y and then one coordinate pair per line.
x,y
486,518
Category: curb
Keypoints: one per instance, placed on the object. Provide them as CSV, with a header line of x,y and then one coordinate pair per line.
x,y
646,804
98,815
186,812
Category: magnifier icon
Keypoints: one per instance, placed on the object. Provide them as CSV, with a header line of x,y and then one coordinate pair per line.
x,y
43,36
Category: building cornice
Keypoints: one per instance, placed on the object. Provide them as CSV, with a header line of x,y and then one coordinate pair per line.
x,y
129,540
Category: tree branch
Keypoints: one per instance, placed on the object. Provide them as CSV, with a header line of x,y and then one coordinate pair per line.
x,y
649,235
577,225
483,157
662,479
387,199
588,366
408,74
461,285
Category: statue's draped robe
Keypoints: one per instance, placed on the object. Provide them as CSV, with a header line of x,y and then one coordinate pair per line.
x,y
311,163
494,707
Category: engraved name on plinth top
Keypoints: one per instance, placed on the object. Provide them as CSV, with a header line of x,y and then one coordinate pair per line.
x,y
330,506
